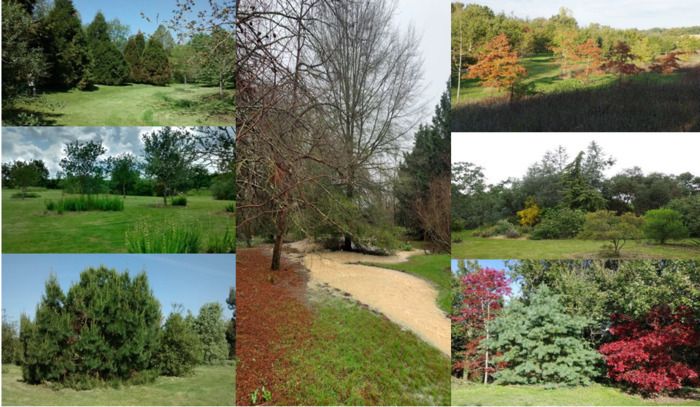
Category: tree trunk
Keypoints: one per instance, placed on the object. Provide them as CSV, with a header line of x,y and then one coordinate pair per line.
x,y
279,239
165,196
124,190
347,244
486,359
221,85
459,67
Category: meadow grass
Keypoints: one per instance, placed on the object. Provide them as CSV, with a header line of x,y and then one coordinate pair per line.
x,y
645,102
29,228
209,385
356,357
467,246
472,394
131,105
432,267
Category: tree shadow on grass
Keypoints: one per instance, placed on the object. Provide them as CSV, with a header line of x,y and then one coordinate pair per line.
x,y
22,116
632,106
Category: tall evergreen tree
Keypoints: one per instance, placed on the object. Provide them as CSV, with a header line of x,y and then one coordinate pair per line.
x,y
133,54
212,333
65,46
156,67
163,36
108,64
540,343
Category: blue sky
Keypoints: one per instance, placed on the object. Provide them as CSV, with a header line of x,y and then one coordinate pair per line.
x,y
189,280
641,14
129,12
494,264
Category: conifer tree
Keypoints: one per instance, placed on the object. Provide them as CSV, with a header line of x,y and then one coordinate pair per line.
x,y
65,46
108,64
539,343
212,333
133,54
181,348
156,67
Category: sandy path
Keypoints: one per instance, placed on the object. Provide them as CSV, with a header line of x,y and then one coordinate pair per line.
x,y
405,299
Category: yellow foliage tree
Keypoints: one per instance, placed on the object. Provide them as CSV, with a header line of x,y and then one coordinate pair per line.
x,y
531,214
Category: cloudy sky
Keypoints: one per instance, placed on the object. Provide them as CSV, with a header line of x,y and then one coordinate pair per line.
x,y
431,21
615,13
504,155
46,143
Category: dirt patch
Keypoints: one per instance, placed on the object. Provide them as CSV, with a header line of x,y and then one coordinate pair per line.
x,y
273,318
405,299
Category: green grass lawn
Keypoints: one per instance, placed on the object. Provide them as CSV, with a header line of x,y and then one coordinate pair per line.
x,y
29,228
208,386
545,73
132,105
434,268
594,395
472,247
356,357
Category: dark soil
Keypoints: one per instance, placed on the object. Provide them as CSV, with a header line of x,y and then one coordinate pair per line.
x,y
273,318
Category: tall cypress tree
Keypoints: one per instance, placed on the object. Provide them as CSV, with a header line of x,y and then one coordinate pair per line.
x,y
156,67
65,45
108,64
133,54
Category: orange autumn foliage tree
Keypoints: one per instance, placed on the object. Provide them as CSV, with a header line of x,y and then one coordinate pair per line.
x,y
666,64
567,53
620,61
591,57
498,66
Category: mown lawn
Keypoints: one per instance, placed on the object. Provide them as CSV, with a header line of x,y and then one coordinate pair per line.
x,y
131,105
434,268
356,357
594,395
466,246
29,228
208,386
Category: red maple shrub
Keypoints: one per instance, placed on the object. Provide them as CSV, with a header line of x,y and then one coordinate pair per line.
x,y
651,355
666,64
482,299
620,61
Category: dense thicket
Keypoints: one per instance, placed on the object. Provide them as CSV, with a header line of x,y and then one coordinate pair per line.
x,y
106,327
640,315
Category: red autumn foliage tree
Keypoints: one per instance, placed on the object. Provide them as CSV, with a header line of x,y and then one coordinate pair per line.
x,y
620,61
482,300
666,64
498,66
650,354
591,57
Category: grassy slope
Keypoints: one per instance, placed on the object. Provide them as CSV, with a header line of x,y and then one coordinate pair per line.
x,y
594,395
545,73
434,268
135,105
484,248
356,357
210,385
28,229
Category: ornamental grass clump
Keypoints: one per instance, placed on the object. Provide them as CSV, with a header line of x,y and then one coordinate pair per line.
x,y
85,203
171,238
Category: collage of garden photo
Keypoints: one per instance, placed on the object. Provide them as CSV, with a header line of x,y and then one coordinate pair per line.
x,y
350,202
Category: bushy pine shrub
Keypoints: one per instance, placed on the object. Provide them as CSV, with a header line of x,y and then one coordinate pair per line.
x,y
181,348
560,223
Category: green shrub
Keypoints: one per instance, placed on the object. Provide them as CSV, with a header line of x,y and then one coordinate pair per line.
x,y
501,228
171,238
562,223
179,200
458,224
664,224
231,207
181,348
224,187
86,203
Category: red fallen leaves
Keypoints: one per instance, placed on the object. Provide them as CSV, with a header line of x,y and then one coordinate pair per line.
x,y
648,355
